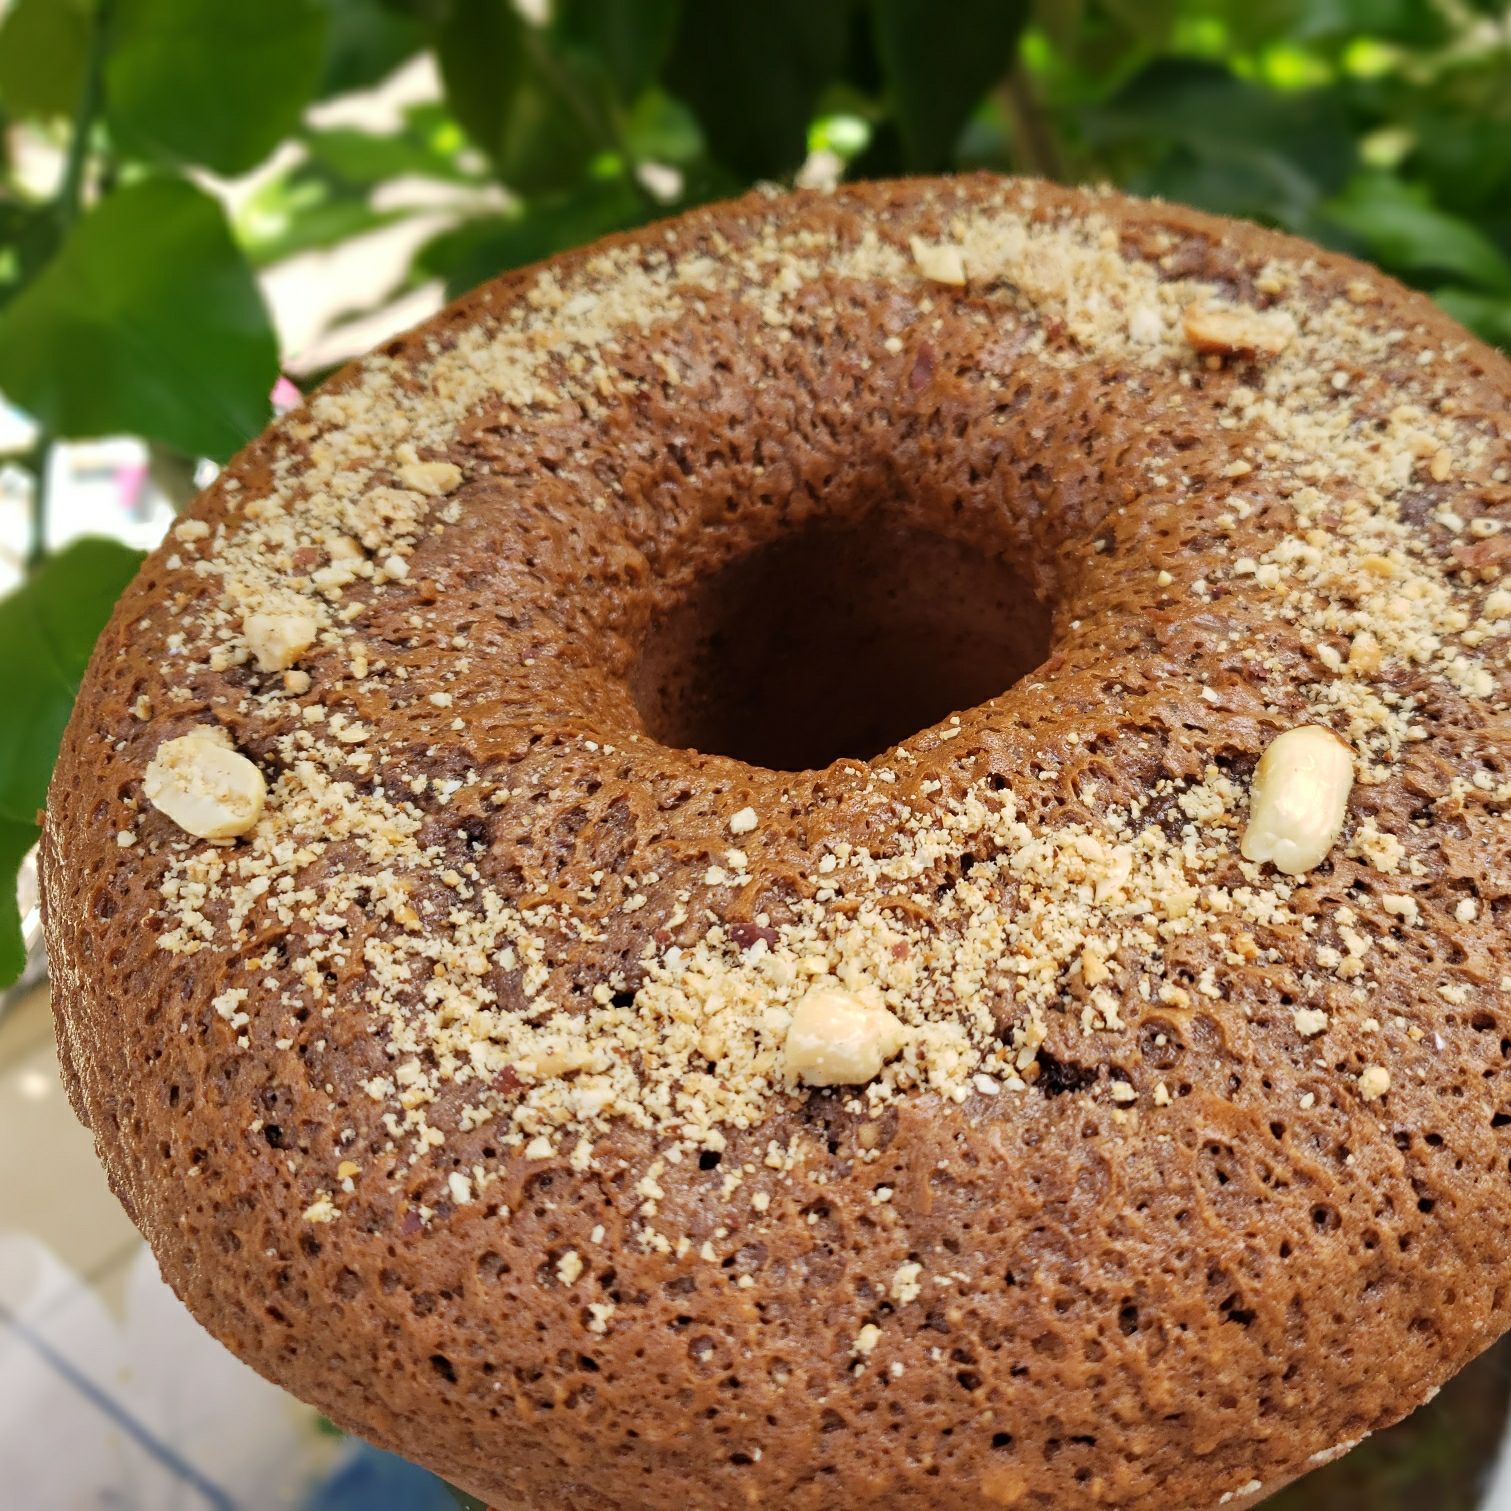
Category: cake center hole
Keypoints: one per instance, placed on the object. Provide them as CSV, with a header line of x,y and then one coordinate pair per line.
x,y
836,642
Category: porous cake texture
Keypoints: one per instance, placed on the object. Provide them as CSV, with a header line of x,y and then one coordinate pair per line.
x,y
607,1124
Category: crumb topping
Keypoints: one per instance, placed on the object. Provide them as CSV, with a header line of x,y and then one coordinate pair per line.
x,y
953,981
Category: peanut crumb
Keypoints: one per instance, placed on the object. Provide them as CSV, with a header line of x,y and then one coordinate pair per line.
x,y
1232,332
1309,1021
939,262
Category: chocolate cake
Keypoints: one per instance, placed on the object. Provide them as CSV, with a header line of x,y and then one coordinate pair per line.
x,y
664,896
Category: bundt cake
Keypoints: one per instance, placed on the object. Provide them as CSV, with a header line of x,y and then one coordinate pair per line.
x,y
851,851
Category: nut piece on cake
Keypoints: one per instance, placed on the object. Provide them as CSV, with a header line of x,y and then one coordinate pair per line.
x,y
432,478
836,1039
206,788
1298,799
939,262
1231,332
278,639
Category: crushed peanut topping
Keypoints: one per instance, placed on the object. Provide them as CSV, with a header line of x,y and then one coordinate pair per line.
x,y
950,989
743,822
1309,1021
1230,332
278,640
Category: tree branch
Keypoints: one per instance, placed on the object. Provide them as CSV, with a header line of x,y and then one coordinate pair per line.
x,y
1035,150
67,205
70,199
604,125
35,462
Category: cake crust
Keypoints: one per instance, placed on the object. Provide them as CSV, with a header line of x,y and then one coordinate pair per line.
x,y
451,1095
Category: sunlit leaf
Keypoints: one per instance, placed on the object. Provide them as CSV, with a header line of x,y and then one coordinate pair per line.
x,y
147,322
661,129
217,85
43,45
368,158
311,224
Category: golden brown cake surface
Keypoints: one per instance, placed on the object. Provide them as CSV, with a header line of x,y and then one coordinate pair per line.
x,y
451,1075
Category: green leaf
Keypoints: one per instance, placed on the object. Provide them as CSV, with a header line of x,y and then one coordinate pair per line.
x,y
1487,315
629,38
15,841
937,69
1097,45
1194,132
1407,21
1462,154
521,103
304,208
1207,108
479,249
29,235
426,147
215,85
368,40
148,322
753,74
1406,233
662,130
48,628
1147,20
43,47
326,197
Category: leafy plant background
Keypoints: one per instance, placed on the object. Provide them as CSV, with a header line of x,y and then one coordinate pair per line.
x,y
130,302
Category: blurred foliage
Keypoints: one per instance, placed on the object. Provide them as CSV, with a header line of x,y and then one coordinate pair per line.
x,y
48,628
118,328
129,300
1437,1459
